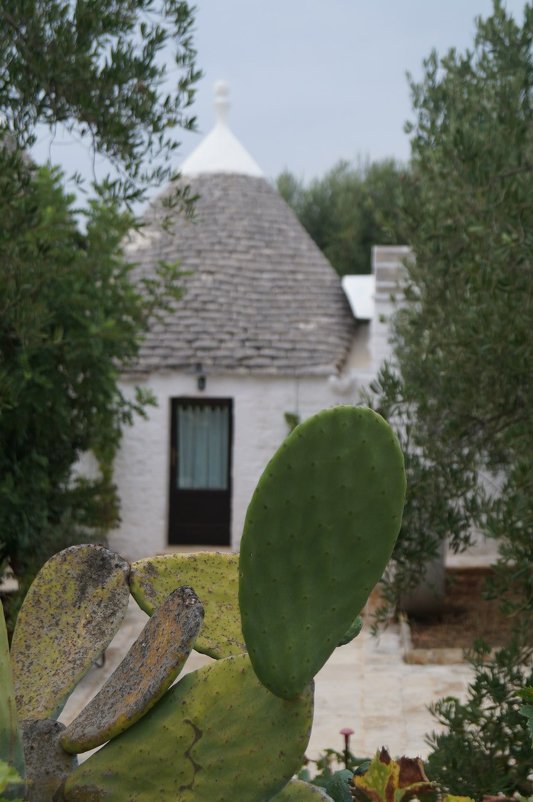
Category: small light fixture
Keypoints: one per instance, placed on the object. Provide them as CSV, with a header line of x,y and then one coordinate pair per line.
x,y
200,377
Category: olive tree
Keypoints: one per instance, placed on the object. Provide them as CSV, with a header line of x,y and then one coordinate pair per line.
x,y
71,315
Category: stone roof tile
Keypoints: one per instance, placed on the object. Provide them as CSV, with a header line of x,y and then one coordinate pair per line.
x,y
259,295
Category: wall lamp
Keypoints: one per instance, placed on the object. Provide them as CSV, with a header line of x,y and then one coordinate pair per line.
x,y
201,379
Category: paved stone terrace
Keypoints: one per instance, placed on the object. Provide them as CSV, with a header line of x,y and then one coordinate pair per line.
x,y
365,685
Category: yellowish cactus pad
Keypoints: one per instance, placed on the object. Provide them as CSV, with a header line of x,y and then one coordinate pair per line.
x,y
146,672
214,578
69,616
216,735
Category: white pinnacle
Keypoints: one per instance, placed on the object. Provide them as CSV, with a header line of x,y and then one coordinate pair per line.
x,y
222,104
220,151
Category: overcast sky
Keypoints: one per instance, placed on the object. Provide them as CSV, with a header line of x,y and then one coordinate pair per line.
x,y
315,81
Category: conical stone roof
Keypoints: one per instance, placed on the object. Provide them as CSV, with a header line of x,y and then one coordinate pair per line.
x,y
259,296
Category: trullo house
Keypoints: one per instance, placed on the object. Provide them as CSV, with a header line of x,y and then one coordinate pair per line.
x,y
263,329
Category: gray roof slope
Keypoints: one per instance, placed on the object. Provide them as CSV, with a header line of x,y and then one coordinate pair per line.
x,y
260,297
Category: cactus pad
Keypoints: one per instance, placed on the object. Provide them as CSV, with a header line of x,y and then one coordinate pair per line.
x,y
216,735
10,737
47,764
69,616
147,671
318,533
214,578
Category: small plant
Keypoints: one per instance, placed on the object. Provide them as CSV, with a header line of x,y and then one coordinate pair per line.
x,y
400,780
292,419
526,694
319,530
330,761
9,779
486,747
328,775
347,756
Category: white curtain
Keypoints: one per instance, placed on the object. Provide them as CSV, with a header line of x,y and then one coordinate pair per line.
x,y
203,434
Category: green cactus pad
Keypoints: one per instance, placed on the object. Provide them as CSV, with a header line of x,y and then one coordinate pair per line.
x,y
300,791
11,751
216,735
148,670
318,533
214,578
69,616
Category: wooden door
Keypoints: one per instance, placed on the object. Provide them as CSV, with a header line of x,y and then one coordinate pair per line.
x,y
200,472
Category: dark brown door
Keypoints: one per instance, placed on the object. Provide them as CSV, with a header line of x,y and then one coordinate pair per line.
x,y
200,472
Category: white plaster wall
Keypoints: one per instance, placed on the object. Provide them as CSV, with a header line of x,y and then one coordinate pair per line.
x,y
372,346
388,272
142,465
259,404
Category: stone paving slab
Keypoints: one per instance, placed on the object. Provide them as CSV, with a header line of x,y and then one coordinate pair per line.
x,y
365,685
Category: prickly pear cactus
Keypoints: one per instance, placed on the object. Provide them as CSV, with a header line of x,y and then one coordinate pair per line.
x,y
69,616
146,672
319,531
214,577
218,734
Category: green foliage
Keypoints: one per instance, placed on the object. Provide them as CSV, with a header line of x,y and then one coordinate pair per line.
x,y
443,497
327,775
71,315
338,786
486,747
351,209
292,419
527,710
95,68
459,388
8,777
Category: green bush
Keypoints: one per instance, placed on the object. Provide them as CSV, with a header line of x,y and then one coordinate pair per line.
x,y
486,747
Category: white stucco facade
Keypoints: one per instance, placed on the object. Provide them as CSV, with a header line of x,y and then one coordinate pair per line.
x,y
259,404
142,468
